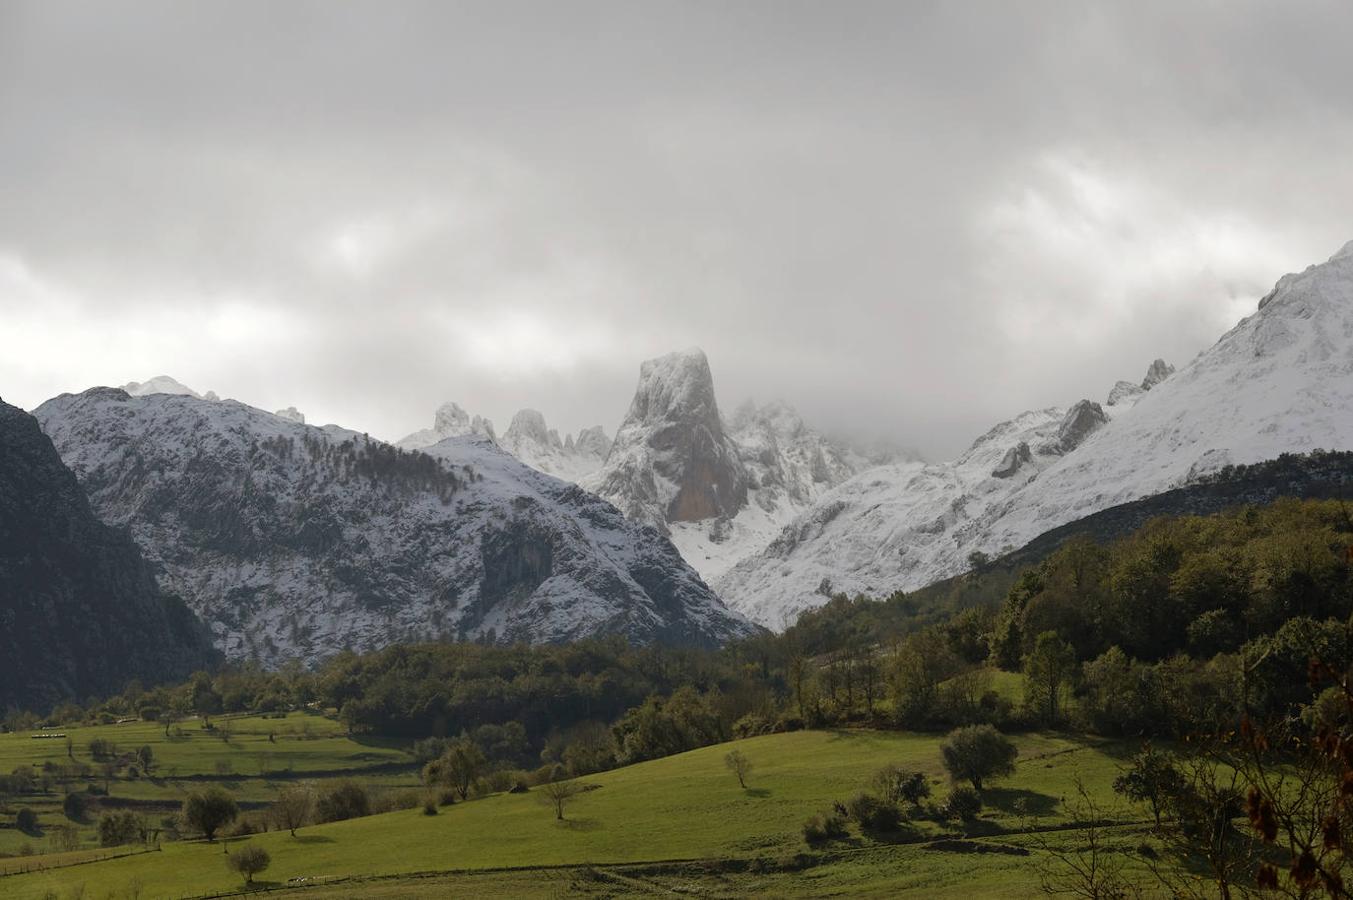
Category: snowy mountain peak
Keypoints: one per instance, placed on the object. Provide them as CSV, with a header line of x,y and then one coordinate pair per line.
x,y
1157,372
1345,252
160,384
672,460
528,426
450,420
291,414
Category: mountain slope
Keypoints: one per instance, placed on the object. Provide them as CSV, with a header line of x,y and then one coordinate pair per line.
x,y
1280,381
80,612
298,541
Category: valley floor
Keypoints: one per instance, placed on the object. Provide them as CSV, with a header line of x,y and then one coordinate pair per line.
x,y
677,824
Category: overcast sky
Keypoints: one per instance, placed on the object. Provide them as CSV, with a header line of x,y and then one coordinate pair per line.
x,y
906,219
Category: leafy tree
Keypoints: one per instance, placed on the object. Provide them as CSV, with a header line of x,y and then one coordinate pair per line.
x,y
963,803
118,828
977,752
922,663
874,814
737,762
344,799
210,810
458,767
1049,669
145,756
26,820
1153,779
75,806
249,861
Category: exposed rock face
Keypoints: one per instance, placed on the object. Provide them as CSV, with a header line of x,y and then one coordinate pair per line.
x,y
450,420
671,460
80,611
295,542
291,414
1081,420
1015,457
1157,372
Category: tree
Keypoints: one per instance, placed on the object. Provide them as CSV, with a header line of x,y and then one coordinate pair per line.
x,y
209,811
1153,780
248,861
343,800
1048,670
737,762
294,805
963,803
26,820
118,828
558,794
978,752
458,767
146,757
922,663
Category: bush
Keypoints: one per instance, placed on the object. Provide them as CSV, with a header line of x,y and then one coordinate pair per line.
x,y
874,814
977,752
343,800
430,804
119,828
248,861
26,821
76,807
823,828
209,811
963,803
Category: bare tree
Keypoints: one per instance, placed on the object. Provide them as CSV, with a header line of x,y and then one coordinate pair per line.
x,y
737,762
294,806
558,794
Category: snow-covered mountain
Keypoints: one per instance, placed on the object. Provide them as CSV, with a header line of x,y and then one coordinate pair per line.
x,y
722,489
1280,381
164,384
533,442
80,612
528,438
450,420
296,541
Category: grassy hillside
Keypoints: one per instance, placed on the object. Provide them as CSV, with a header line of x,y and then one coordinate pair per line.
x,y
251,756
679,820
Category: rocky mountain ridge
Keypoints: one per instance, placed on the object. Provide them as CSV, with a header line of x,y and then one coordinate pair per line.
x,y
296,541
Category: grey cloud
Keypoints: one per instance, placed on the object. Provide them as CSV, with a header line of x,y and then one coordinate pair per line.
x,y
907,219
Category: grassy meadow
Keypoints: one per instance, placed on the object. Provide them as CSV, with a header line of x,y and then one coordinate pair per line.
x,y
676,824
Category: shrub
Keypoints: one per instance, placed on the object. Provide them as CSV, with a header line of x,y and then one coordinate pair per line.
x,y
343,800
76,807
118,828
248,861
209,811
26,821
874,814
977,752
823,828
963,803
430,804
